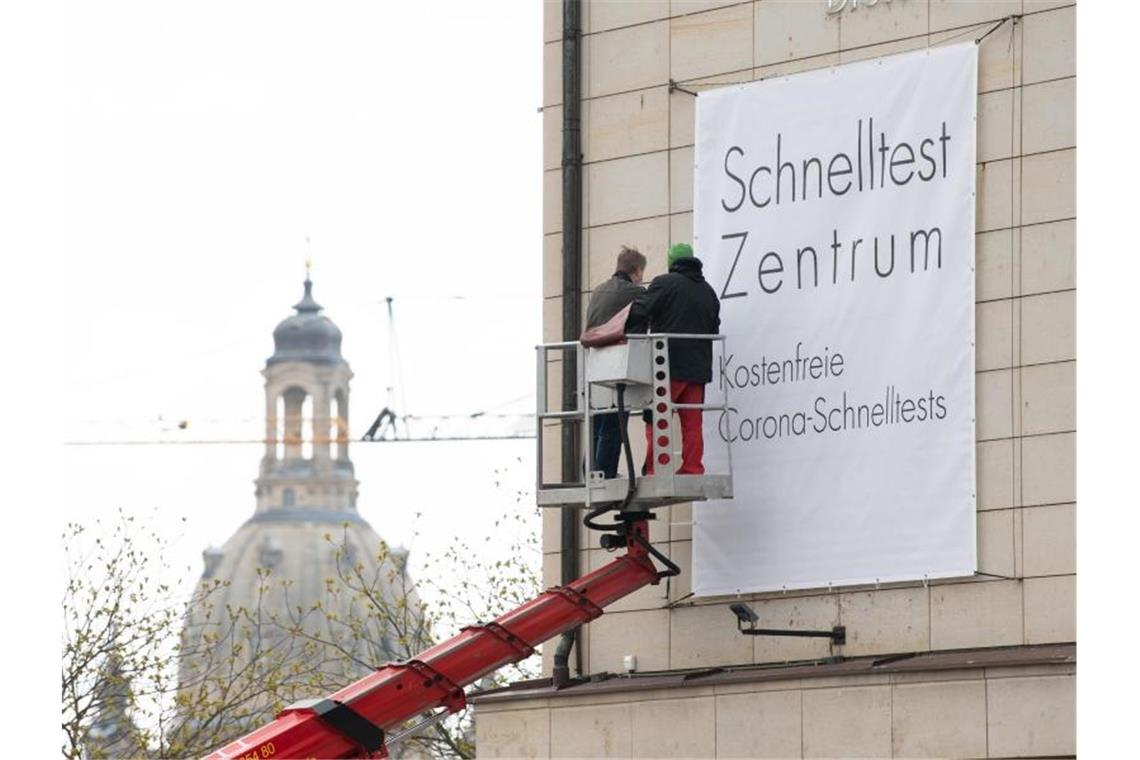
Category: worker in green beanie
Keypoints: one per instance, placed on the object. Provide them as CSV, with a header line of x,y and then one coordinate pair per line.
x,y
681,301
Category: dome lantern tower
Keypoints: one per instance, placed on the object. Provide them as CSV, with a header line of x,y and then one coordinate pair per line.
x,y
306,467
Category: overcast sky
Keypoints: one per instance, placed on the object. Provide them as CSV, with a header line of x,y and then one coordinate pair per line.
x,y
211,147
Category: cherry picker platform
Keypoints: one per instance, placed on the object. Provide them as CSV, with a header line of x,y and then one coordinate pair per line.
x,y
632,376
365,718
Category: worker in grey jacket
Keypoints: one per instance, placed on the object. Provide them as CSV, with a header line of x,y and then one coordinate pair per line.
x,y
608,299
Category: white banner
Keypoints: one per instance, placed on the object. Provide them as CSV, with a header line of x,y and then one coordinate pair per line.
x,y
835,215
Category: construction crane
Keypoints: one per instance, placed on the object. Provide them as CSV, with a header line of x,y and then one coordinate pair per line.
x,y
358,720
392,425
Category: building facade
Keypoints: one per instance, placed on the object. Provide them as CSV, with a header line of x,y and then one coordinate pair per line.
x,y
967,667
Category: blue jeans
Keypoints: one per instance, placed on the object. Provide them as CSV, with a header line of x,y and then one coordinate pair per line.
x,y
607,443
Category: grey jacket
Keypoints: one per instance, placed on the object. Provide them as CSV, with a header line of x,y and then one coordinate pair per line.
x,y
610,297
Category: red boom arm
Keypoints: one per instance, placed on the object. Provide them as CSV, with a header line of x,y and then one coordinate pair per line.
x,y
351,722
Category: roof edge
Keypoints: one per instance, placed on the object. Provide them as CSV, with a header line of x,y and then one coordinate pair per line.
x,y
901,662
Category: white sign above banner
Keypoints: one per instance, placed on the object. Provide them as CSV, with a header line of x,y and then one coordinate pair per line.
x,y
834,212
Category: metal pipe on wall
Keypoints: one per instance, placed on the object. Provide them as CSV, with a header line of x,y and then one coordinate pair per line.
x,y
571,306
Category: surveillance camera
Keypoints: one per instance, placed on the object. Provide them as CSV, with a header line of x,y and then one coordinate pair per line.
x,y
744,613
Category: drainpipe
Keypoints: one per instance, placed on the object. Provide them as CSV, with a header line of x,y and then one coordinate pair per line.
x,y
571,308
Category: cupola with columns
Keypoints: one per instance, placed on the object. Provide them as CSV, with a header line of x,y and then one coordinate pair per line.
x,y
306,466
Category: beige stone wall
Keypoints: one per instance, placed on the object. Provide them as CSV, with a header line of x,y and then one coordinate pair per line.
x,y
638,153
984,712
638,144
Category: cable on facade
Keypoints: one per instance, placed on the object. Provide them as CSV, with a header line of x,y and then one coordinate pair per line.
x,y
1015,17
674,86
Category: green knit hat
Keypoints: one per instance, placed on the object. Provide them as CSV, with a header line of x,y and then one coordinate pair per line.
x,y
679,251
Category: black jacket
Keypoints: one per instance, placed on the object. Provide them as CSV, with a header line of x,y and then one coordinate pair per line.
x,y
611,297
680,301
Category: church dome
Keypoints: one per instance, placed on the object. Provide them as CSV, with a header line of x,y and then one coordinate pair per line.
x,y
303,574
308,335
301,554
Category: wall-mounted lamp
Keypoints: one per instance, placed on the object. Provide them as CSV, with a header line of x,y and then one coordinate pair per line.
x,y
745,614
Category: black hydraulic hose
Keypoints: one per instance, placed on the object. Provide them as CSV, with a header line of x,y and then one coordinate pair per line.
x,y
623,425
673,568
590,522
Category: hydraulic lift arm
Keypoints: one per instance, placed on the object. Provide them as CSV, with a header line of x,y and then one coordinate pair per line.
x,y
351,723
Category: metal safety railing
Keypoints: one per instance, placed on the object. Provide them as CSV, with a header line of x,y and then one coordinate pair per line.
x,y
648,393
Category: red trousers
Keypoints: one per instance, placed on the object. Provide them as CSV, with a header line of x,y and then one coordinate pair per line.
x,y
692,436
